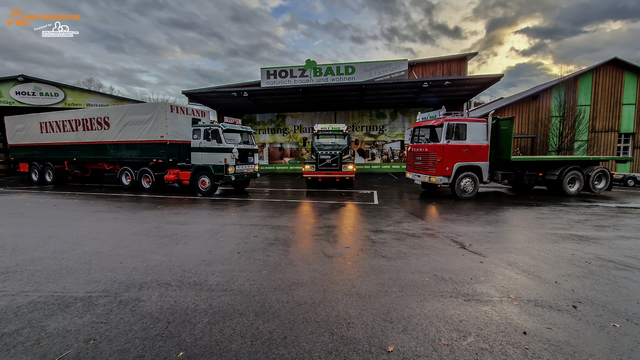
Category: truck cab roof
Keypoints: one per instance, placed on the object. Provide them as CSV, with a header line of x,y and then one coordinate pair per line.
x,y
225,126
441,120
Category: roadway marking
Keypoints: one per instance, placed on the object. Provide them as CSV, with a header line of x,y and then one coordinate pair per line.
x,y
212,198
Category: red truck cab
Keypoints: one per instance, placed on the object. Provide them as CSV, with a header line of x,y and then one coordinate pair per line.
x,y
449,151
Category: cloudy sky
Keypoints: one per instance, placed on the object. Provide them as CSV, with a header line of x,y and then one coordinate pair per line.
x,y
165,46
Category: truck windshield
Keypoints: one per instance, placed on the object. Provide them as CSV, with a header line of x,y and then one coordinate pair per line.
x,y
331,139
238,137
427,135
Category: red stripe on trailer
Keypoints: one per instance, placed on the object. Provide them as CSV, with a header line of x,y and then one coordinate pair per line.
x,y
108,142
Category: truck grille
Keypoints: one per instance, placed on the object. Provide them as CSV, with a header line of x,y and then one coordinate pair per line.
x,y
246,156
424,162
328,161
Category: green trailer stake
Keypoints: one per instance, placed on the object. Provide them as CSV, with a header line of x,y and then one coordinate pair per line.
x,y
146,145
464,152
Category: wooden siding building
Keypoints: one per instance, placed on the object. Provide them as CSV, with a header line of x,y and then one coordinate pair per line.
x,y
595,111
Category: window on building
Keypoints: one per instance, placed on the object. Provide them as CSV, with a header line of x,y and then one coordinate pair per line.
x,y
625,145
457,132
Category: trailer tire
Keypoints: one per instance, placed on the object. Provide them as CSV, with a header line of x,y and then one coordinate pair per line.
x,y
204,184
35,174
147,180
127,178
630,181
49,175
241,185
572,183
465,186
598,179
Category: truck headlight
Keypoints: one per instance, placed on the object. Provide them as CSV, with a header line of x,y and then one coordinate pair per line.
x,y
230,169
257,167
408,175
348,167
309,167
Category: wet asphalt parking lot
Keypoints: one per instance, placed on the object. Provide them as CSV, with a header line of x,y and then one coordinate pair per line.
x,y
383,271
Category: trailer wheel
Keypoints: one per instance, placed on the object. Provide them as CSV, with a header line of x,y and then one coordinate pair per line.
x,y
465,186
35,174
127,178
204,184
49,175
572,183
241,184
147,180
599,180
630,181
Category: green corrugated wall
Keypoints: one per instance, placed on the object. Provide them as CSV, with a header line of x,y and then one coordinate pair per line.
x,y
628,109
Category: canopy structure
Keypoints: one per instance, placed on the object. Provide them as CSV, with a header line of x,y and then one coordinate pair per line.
x,y
249,98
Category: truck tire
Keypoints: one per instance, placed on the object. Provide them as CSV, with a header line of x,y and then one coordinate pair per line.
x,y
572,183
241,185
127,178
49,175
465,186
598,179
146,180
204,184
35,174
630,181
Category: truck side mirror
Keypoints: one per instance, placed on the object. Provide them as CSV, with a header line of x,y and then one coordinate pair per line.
x,y
357,142
304,141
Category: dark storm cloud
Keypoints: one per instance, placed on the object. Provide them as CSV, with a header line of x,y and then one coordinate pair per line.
x,y
520,77
156,45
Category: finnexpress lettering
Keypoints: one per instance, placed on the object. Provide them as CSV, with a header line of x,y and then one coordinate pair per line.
x,y
75,125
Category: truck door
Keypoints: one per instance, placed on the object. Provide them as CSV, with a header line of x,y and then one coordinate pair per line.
x,y
464,143
209,147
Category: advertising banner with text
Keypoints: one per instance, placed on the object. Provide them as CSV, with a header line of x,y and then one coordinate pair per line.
x,y
312,73
380,135
17,93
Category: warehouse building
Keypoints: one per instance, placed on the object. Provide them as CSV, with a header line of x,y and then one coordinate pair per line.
x,y
377,100
593,111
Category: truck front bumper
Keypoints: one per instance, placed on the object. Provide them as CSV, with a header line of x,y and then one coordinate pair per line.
x,y
335,175
239,177
429,179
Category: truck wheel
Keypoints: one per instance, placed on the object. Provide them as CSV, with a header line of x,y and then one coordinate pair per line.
x,y
572,183
630,181
465,186
599,180
127,178
49,175
204,184
35,174
146,179
241,185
